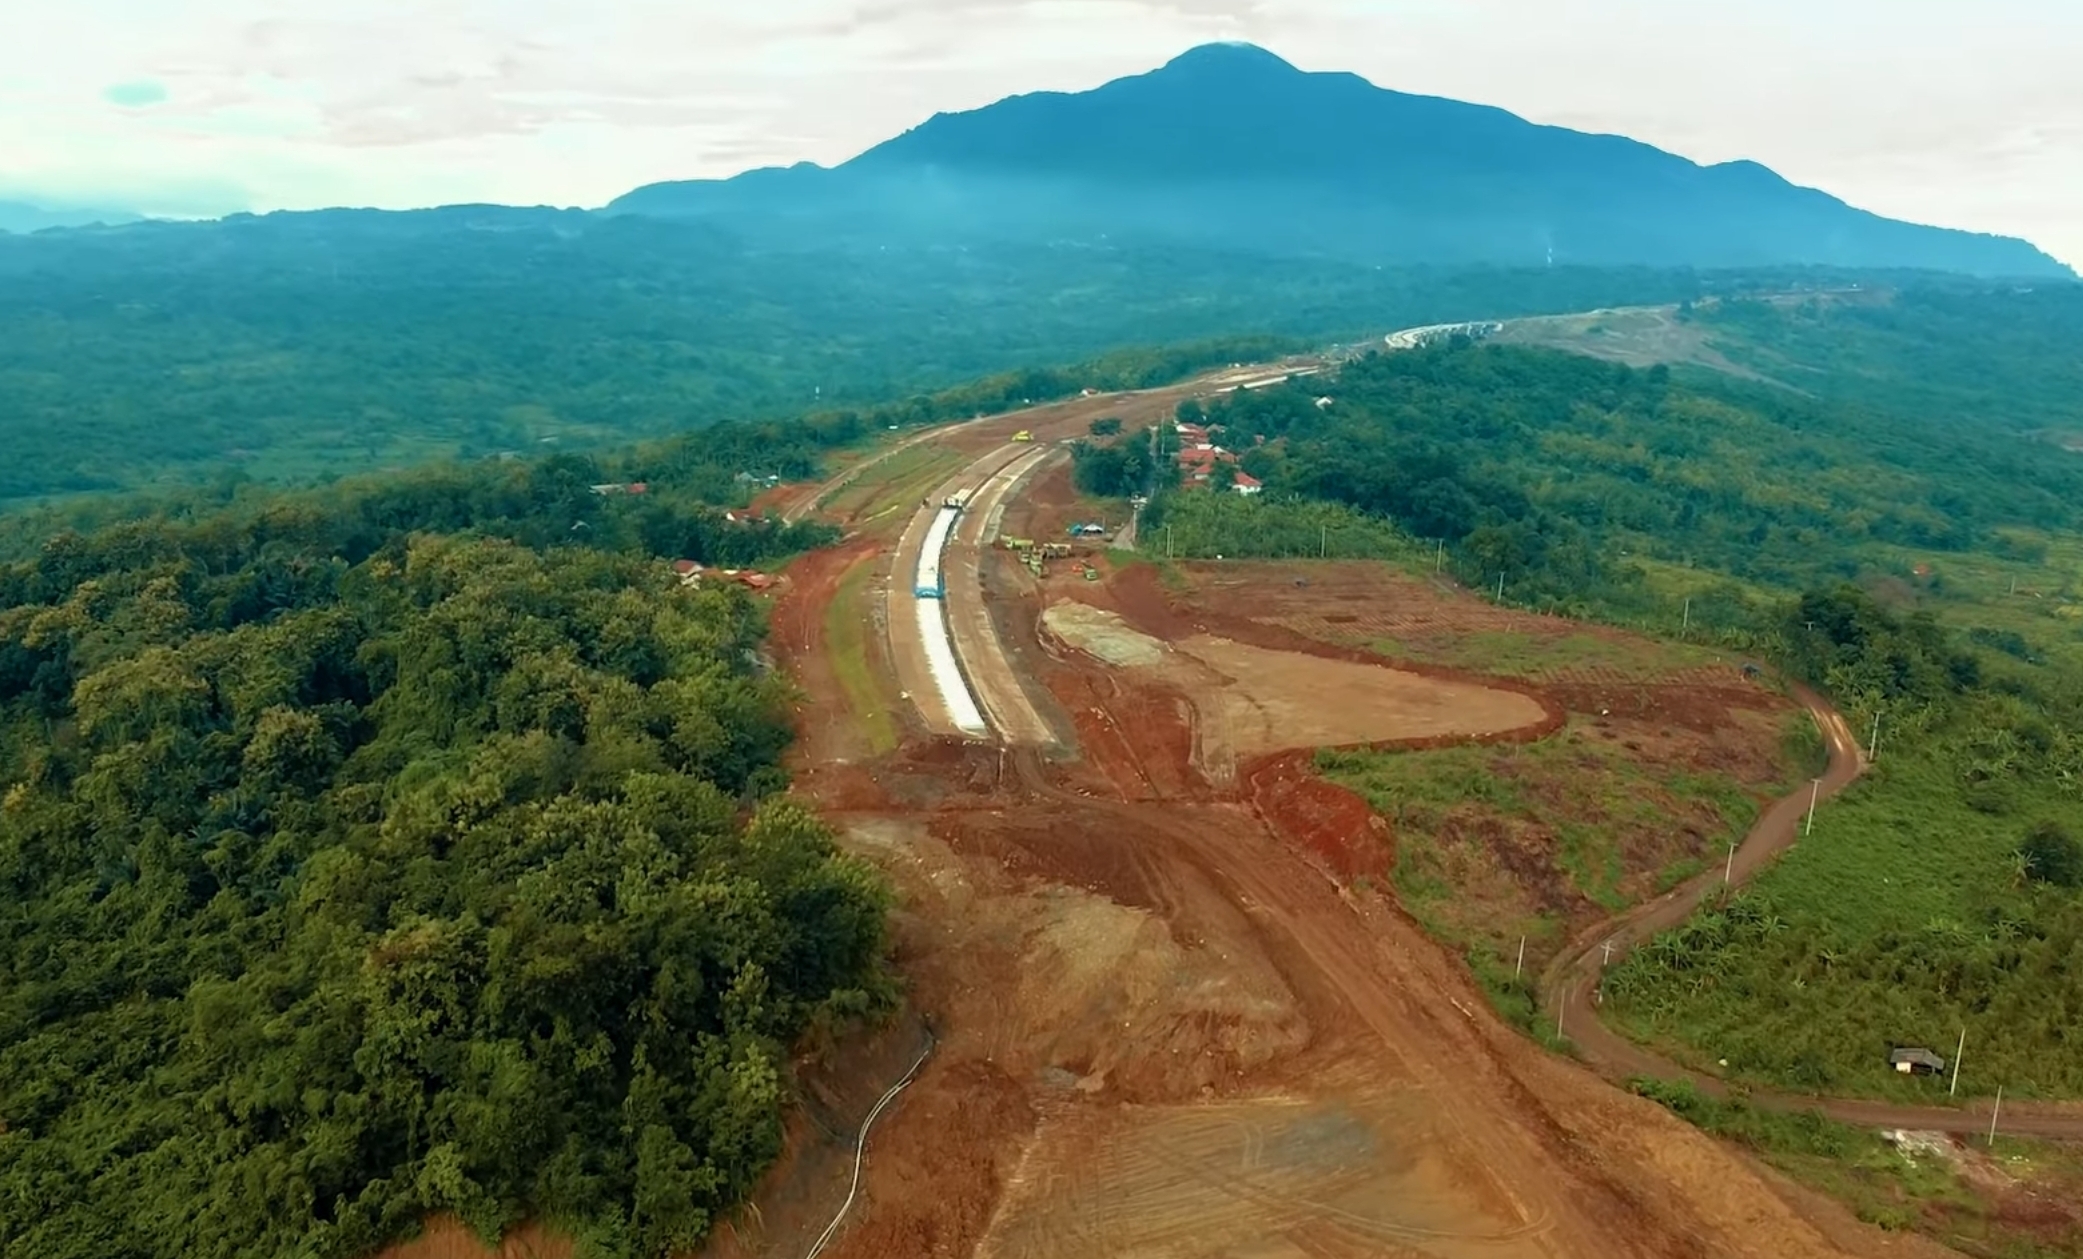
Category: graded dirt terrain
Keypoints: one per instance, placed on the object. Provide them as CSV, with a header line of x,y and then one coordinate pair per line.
x,y
1273,700
1168,1027
1250,700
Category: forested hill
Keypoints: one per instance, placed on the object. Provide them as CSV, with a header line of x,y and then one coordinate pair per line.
x,y
298,344
378,851
1563,474
2007,358
1229,146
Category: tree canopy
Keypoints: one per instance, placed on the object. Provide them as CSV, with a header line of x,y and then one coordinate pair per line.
x,y
360,864
1548,469
294,345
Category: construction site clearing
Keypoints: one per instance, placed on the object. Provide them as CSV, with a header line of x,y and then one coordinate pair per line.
x,y
1169,1024
1177,1012
1174,1008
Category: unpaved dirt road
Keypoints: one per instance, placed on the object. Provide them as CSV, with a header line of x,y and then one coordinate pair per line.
x,y
1015,718
1570,984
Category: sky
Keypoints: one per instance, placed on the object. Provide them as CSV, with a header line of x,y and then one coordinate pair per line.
x,y
1956,113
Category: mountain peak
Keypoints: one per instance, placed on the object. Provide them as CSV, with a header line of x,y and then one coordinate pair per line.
x,y
1227,146
1228,56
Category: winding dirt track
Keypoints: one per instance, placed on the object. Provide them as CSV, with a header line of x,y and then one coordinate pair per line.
x,y
1570,983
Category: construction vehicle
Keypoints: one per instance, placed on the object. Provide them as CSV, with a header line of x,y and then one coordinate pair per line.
x,y
1023,436
1019,544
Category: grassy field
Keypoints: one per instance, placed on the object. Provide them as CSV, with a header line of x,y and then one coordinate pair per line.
x,y
1518,654
1499,844
1904,919
894,483
846,639
1983,1201
1638,336
2036,593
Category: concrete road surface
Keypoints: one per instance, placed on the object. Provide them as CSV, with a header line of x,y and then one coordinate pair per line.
x,y
907,646
993,682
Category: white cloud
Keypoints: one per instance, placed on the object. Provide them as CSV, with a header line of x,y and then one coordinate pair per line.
x,y
1910,107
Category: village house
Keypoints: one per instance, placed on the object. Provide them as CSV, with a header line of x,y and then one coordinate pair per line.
x,y
1197,467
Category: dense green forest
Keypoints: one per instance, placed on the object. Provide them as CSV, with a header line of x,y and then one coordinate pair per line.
x,y
1864,547
1955,352
1566,475
395,847
686,474
299,344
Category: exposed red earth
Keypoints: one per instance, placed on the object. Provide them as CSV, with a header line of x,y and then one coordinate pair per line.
x,y
1171,1020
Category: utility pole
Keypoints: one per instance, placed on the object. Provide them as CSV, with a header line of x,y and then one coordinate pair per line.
x,y
1728,874
1994,1112
1168,542
1500,587
1873,744
1815,793
1323,542
1685,626
1954,1090
1606,960
1521,963
1564,1005
1439,557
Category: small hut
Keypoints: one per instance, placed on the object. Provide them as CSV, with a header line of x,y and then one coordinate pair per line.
x,y
1916,1061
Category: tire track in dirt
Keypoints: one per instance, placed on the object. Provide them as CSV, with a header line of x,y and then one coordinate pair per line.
x,y
1570,983
1357,986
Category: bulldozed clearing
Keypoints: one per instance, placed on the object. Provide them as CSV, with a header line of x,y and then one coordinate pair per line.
x,y
1259,700
1171,1022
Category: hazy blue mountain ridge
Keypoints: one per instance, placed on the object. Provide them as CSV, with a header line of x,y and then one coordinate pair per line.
x,y
1228,146
25,216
